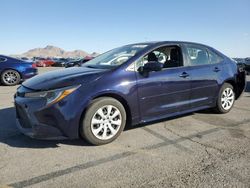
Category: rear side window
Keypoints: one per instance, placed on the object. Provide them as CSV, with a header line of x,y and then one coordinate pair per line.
x,y
2,59
214,58
197,55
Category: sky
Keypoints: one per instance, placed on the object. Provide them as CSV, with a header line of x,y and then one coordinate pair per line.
x,y
100,25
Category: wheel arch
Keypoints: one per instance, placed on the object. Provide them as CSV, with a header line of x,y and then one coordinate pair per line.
x,y
13,69
116,96
5,69
122,100
235,87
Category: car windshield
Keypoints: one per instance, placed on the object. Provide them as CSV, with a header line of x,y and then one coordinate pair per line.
x,y
115,57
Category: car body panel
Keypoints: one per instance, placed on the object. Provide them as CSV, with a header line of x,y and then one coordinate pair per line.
x,y
54,80
162,93
204,84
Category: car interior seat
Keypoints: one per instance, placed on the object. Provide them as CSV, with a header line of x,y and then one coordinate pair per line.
x,y
202,58
174,59
152,57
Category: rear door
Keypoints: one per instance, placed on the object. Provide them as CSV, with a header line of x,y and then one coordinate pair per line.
x,y
205,69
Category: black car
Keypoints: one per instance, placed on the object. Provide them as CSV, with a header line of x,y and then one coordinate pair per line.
x,y
78,62
244,63
247,65
60,62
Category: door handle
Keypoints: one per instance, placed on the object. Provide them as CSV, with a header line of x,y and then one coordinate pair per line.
x,y
216,69
184,75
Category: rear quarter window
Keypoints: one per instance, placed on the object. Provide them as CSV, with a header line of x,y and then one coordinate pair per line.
x,y
214,58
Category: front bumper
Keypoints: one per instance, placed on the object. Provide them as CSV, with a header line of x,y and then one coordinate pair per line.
x,y
32,128
57,121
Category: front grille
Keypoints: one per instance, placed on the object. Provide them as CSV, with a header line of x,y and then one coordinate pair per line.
x,y
22,116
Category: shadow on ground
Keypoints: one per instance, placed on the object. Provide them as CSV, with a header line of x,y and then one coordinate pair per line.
x,y
10,135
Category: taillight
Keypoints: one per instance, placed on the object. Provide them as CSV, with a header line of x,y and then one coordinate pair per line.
x,y
33,65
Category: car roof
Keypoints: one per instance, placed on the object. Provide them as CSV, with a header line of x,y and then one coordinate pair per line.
x,y
167,42
10,58
158,43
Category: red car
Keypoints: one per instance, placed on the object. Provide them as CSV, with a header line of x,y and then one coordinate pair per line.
x,y
44,62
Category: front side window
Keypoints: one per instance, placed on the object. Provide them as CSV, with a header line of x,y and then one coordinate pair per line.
x,y
115,57
197,55
168,56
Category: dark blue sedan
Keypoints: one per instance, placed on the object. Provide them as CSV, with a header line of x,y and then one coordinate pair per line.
x,y
132,84
13,70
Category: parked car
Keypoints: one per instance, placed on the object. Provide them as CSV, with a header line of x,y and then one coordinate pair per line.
x,y
26,59
60,62
244,63
247,65
239,60
98,99
44,62
13,70
78,62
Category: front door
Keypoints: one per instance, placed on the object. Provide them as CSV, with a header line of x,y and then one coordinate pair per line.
x,y
166,92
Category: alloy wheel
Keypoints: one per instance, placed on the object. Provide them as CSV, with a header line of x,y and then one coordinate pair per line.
x,y
10,77
106,122
227,98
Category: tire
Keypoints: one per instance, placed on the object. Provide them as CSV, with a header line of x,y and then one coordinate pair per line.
x,y
10,77
225,99
103,121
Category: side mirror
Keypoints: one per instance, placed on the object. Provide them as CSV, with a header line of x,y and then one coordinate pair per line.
x,y
150,66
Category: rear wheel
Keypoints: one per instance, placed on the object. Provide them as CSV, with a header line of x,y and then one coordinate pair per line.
x,y
103,121
10,78
225,99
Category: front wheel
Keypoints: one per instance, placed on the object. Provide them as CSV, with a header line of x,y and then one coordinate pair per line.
x,y
225,99
103,121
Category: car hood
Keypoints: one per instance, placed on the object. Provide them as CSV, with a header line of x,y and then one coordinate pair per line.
x,y
63,78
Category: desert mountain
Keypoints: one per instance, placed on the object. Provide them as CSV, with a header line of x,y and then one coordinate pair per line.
x,y
52,51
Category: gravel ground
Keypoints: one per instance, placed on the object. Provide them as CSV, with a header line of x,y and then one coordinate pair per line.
x,y
201,149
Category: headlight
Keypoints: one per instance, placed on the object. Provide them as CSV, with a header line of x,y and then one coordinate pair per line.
x,y
53,96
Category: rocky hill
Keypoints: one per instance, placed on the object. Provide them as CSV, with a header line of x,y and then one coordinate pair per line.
x,y
52,51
